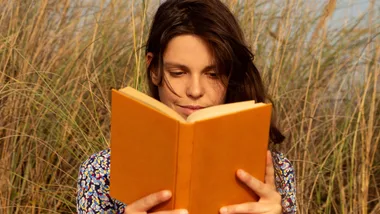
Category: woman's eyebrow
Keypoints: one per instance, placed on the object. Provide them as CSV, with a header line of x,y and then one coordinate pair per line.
x,y
186,68
209,68
174,65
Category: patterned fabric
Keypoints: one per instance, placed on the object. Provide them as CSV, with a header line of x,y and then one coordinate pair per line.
x,y
285,182
94,180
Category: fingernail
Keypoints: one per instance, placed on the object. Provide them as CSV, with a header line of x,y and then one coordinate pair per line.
x,y
223,210
166,194
183,212
241,172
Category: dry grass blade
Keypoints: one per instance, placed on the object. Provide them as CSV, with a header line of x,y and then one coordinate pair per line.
x,y
58,60
327,13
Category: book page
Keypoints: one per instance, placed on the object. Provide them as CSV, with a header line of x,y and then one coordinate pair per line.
x,y
131,92
223,109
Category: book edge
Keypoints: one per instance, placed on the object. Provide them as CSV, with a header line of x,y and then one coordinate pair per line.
x,y
150,102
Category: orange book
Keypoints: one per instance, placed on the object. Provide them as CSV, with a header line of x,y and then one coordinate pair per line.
x,y
153,148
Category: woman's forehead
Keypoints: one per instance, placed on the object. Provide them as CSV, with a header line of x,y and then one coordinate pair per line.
x,y
188,50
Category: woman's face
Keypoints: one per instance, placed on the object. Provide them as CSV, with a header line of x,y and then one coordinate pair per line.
x,y
189,70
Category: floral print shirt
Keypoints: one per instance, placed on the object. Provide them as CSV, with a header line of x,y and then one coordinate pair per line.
x,y
94,180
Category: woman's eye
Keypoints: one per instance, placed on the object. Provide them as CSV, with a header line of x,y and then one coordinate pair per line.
x,y
212,74
176,73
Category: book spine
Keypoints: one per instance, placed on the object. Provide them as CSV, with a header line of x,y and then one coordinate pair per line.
x,y
184,160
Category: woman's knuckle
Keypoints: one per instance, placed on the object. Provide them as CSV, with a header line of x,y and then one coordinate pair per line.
x,y
278,207
251,208
259,185
149,200
249,180
278,197
231,209
127,210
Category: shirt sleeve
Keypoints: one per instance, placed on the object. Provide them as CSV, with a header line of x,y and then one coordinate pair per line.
x,y
93,186
285,182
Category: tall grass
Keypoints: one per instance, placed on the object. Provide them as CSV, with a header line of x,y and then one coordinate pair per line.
x,y
59,59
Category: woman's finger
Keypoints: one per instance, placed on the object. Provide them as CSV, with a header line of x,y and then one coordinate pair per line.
x,y
250,207
256,185
146,203
269,171
179,211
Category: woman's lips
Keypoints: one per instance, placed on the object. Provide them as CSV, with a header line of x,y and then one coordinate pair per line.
x,y
189,109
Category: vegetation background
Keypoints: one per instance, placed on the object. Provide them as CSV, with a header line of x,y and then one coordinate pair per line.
x,y
59,59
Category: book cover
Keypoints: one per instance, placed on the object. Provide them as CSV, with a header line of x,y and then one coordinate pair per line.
x,y
153,149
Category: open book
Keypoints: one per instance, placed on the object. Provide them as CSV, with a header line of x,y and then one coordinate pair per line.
x,y
153,148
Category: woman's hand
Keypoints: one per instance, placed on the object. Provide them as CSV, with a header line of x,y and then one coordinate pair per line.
x,y
270,199
144,204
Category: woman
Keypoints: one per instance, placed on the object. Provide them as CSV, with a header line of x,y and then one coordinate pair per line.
x,y
196,58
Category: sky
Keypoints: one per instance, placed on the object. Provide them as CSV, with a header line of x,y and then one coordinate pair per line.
x,y
345,8
351,8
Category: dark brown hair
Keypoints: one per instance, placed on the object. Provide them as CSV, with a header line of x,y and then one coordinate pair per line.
x,y
212,21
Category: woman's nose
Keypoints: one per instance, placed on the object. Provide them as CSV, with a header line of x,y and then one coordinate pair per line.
x,y
195,88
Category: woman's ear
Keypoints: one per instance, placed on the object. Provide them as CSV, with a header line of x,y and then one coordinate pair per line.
x,y
153,72
148,58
